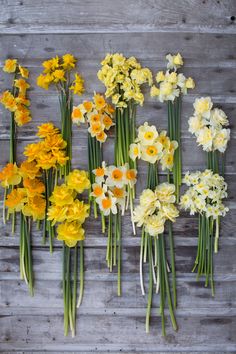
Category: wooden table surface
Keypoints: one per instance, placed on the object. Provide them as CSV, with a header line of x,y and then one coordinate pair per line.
x,y
204,33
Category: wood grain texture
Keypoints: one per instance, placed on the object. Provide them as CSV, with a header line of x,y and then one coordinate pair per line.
x,y
121,16
205,34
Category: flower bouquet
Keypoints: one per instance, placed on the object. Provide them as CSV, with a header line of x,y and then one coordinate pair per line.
x,y
155,208
48,155
204,196
171,85
57,71
15,101
27,198
97,114
70,213
123,78
208,125
109,192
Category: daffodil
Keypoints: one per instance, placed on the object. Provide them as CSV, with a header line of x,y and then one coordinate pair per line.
x,y
70,233
10,176
10,65
78,180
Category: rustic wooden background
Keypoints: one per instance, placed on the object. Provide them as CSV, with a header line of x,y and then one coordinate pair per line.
x,y
204,33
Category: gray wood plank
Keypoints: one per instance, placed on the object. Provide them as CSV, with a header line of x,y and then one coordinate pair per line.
x,y
116,332
47,265
122,16
198,49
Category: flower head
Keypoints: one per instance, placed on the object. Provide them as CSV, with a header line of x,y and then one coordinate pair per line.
x,y
78,180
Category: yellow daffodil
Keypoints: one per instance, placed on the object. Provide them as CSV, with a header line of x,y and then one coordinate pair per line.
x,y
46,130
70,233
24,72
62,195
9,175
16,199
78,211
33,186
10,65
78,180
35,207
29,169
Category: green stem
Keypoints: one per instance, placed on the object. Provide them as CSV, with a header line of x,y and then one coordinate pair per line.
x,y
81,291
150,286
172,256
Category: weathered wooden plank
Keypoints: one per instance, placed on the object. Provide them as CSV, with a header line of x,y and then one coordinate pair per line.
x,y
95,264
110,332
198,49
122,16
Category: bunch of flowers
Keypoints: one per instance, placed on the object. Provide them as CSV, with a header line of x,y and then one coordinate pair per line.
x,y
157,206
27,197
48,155
97,114
57,71
208,125
153,147
171,85
70,213
204,196
124,78
16,101
110,192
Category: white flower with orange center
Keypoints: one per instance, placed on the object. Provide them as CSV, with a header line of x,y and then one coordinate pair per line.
x,y
134,151
95,129
94,117
151,153
119,194
116,176
101,137
99,101
147,134
130,176
107,205
100,173
107,121
98,191
88,106
77,115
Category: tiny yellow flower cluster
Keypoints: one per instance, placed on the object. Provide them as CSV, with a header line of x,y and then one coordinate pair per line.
x,y
28,196
56,71
155,207
151,146
16,101
67,210
123,78
97,114
171,84
205,194
48,152
207,124
109,189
